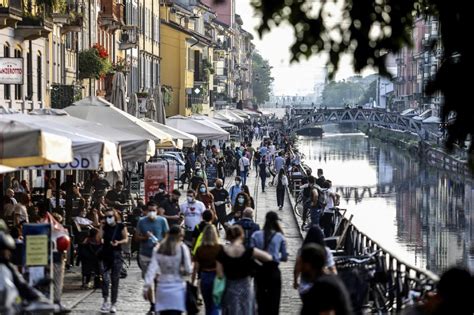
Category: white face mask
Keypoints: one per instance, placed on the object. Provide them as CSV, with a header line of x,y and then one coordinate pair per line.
x,y
190,199
110,221
152,215
101,176
241,200
237,182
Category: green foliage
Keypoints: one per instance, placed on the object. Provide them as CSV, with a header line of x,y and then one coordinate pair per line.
x,y
261,78
339,94
167,92
370,94
370,29
91,65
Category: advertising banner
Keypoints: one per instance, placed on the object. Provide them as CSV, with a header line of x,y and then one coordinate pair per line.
x,y
11,70
157,173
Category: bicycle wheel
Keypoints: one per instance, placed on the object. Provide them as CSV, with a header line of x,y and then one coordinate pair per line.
x,y
299,205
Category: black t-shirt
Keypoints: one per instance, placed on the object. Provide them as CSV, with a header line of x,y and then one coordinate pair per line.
x,y
112,233
114,196
171,208
220,195
100,184
327,294
161,198
320,181
237,267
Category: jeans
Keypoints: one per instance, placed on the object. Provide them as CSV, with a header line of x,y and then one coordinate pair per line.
x,y
263,178
243,176
207,283
268,285
110,271
280,196
315,215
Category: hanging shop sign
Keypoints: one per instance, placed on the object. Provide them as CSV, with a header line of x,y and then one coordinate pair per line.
x,y
156,173
79,162
11,70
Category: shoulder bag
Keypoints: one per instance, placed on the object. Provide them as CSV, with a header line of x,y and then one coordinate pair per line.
x,y
191,292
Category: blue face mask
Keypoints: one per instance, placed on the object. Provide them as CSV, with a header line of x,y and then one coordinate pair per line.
x,y
202,189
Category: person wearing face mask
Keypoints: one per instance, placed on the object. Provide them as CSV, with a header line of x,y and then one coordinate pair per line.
x,y
117,196
171,207
192,211
235,190
151,229
197,179
113,234
162,196
206,198
221,199
242,202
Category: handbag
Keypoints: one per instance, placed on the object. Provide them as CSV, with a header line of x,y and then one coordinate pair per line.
x,y
218,289
192,306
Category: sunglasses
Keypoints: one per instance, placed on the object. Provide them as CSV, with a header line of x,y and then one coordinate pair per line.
x,y
109,216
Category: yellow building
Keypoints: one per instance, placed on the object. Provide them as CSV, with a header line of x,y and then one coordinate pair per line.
x,y
187,58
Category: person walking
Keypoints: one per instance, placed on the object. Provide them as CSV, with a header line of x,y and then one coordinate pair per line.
x,y
205,264
206,198
268,277
192,211
244,164
263,172
236,262
170,262
151,229
235,190
248,225
279,164
282,183
113,234
221,199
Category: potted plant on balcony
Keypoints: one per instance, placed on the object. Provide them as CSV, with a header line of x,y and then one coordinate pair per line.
x,y
94,62
122,65
167,92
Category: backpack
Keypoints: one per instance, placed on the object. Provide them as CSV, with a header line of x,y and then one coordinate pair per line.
x,y
323,197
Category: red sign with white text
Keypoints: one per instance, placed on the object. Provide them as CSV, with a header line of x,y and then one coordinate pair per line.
x,y
157,173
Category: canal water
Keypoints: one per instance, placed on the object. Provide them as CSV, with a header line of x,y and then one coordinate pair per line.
x,y
423,215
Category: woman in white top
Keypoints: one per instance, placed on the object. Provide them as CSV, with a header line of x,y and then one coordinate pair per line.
x,y
282,183
171,261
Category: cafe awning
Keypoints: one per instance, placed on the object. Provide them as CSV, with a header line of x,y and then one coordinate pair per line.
x,y
132,147
220,123
24,145
187,140
90,151
228,116
100,111
199,127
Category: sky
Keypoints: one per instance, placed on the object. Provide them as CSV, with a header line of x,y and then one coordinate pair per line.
x,y
290,79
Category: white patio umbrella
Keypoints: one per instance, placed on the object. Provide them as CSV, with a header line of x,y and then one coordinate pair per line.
x,y
90,151
98,110
24,145
232,115
133,148
219,122
180,137
199,127
118,97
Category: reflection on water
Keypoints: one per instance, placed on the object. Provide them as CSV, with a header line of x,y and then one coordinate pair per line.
x,y
423,215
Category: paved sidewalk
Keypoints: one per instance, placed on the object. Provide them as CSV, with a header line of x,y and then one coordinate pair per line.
x,y
264,202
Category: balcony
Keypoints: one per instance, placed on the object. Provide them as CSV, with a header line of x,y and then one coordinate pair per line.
x,y
60,18
111,15
74,25
34,27
129,37
11,12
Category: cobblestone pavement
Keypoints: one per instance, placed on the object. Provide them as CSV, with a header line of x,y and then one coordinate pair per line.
x,y
130,294
264,202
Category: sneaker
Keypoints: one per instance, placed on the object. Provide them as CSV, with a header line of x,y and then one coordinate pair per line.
x,y
105,307
113,308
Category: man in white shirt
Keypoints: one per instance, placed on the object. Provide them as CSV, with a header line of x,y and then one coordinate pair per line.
x,y
192,211
244,164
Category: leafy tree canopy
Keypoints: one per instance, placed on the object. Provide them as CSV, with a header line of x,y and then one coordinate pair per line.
x,y
261,78
370,29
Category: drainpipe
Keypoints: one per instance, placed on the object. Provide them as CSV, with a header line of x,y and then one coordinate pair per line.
x,y
90,40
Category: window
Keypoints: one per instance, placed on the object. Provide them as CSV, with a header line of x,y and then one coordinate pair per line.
x,y
39,74
197,66
190,59
18,87
29,76
6,87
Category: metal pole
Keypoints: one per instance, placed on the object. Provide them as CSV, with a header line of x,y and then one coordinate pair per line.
x,y
90,40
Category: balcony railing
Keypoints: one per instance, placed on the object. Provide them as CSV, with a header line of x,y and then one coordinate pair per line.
x,y
129,37
11,11
111,15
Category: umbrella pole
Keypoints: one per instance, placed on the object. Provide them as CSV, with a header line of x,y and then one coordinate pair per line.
x,y
58,190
